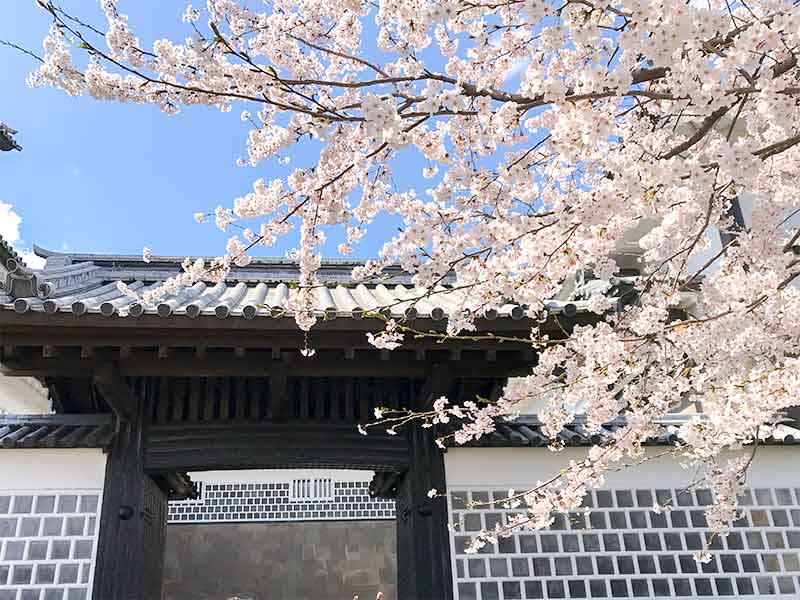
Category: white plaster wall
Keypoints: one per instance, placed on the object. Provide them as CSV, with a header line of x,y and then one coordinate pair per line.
x,y
493,467
278,475
23,395
45,469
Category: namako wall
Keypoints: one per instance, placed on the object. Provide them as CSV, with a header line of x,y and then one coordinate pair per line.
x,y
617,546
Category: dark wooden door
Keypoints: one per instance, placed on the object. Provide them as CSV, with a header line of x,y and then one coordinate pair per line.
x,y
154,532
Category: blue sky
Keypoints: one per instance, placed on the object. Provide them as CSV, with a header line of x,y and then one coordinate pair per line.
x,y
109,177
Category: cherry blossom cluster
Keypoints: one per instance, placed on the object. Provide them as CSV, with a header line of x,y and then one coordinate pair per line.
x,y
564,142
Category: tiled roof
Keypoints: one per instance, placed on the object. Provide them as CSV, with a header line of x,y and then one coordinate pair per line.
x,y
7,252
56,431
83,284
527,432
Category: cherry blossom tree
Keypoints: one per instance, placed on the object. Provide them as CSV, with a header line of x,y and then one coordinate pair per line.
x,y
548,130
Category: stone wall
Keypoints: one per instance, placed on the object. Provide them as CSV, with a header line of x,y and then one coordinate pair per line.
x,y
280,561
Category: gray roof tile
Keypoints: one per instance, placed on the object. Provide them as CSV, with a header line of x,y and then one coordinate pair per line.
x,y
85,284
527,432
56,431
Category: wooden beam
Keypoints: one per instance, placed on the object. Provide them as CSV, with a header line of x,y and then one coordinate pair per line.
x,y
112,387
177,324
199,446
257,364
385,484
18,333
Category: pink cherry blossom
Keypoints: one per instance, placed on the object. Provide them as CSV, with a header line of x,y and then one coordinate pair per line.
x,y
586,150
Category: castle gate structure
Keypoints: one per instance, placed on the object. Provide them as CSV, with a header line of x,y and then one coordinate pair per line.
x,y
214,378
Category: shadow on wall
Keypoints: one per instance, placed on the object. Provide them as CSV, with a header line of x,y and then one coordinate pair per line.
x,y
280,561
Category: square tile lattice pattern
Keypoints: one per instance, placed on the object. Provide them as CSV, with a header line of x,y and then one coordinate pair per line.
x,y
231,502
618,547
47,545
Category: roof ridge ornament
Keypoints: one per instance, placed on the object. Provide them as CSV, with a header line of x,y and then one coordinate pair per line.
x,y
7,141
21,282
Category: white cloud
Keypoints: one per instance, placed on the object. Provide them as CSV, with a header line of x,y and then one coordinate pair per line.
x,y
9,223
9,229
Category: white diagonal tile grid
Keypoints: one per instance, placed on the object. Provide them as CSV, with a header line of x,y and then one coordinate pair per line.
x,y
281,501
47,544
620,548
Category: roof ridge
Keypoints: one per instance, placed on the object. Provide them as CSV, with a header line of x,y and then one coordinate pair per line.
x,y
169,259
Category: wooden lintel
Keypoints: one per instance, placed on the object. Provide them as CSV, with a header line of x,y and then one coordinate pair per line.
x,y
187,447
27,336
255,364
235,327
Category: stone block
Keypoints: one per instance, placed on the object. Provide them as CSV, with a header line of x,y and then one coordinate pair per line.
x,y
279,561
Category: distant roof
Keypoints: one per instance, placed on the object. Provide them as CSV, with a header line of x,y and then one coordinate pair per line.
x,y
7,141
527,432
80,284
56,431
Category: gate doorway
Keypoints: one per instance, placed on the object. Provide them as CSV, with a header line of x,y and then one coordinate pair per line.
x,y
281,535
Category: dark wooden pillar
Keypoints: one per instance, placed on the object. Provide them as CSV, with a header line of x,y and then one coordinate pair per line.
x,y
423,542
130,549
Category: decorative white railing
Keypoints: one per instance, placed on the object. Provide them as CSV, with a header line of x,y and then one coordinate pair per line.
x,y
312,490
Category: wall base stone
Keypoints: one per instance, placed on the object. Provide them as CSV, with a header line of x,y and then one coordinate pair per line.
x,y
280,561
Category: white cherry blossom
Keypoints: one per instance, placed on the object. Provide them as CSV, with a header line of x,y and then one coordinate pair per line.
x,y
549,130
